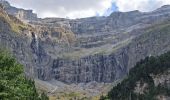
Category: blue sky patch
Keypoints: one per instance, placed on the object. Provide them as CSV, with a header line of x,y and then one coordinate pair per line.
x,y
110,10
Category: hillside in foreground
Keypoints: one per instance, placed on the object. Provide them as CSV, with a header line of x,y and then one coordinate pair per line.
x,y
148,80
13,83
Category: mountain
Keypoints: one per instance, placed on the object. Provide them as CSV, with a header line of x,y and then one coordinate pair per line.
x,y
148,80
25,15
98,45
86,52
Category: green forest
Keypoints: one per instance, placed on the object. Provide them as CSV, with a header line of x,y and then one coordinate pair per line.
x,y
13,83
142,72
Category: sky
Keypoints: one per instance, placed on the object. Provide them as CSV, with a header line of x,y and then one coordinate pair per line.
x,y
86,8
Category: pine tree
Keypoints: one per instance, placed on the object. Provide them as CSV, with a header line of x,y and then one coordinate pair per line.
x,y
13,84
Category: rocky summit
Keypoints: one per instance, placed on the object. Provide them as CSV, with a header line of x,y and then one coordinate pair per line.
x,y
24,15
99,50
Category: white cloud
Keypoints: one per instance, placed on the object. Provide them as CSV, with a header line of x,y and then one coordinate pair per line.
x,y
85,8
141,5
65,8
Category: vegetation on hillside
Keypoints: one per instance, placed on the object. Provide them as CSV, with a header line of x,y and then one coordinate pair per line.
x,y
15,24
143,72
13,83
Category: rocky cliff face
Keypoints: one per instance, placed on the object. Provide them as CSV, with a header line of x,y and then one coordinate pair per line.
x,y
25,15
100,49
106,54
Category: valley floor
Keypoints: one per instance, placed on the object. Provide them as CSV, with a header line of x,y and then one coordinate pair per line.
x,y
61,91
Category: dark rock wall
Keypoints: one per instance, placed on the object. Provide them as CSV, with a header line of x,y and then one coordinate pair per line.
x,y
99,68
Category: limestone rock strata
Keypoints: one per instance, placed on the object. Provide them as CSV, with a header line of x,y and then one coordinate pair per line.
x,y
25,15
100,49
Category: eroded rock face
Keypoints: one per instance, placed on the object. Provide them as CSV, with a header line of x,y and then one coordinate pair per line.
x,y
163,79
25,15
99,68
19,45
100,49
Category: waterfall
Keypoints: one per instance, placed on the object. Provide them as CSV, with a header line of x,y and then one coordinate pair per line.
x,y
35,44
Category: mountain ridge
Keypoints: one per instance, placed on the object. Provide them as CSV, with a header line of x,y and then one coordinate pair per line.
x,y
83,51
88,40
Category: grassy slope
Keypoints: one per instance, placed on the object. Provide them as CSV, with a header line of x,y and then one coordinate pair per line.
x,y
15,24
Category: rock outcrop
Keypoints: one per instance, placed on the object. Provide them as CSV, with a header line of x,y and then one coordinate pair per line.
x,y
24,15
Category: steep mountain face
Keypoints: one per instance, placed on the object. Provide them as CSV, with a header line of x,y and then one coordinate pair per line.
x,y
103,45
19,44
25,15
100,49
